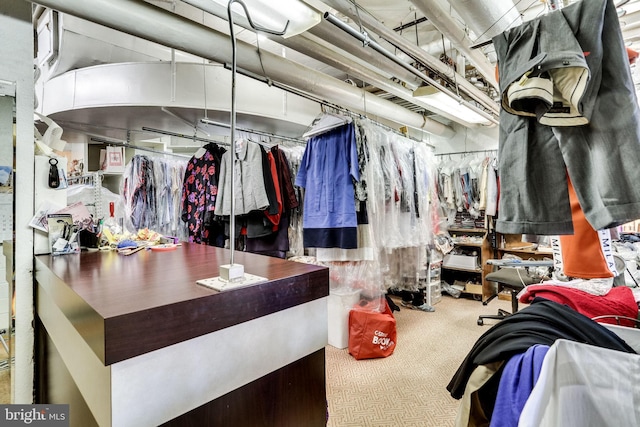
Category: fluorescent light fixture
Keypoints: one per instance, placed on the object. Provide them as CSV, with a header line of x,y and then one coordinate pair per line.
x,y
275,14
440,100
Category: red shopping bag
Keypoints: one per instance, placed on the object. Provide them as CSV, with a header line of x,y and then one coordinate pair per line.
x,y
372,333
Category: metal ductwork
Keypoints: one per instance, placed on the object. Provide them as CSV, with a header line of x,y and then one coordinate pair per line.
x,y
331,57
348,9
433,84
487,18
308,46
155,24
441,18
327,32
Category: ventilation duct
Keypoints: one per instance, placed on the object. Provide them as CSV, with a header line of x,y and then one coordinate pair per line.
x,y
487,18
155,24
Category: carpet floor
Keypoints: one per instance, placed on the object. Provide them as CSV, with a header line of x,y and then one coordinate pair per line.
x,y
5,377
408,388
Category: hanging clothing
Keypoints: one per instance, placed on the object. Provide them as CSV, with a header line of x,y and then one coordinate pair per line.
x,y
364,251
250,191
139,193
601,156
276,242
199,193
287,191
329,163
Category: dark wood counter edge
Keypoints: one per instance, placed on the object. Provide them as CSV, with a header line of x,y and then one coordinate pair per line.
x,y
190,319
122,337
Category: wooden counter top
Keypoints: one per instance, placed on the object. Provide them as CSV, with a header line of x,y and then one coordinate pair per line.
x,y
124,306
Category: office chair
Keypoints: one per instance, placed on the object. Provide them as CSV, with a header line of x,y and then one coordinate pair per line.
x,y
516,279
513,279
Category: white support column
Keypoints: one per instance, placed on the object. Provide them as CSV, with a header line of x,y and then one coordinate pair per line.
x,y
16,65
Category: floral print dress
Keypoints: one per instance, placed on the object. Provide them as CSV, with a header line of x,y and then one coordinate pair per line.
x,y
199,193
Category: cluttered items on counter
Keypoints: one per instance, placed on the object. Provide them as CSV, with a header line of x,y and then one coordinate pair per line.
x,y
73,229
63,234
130,243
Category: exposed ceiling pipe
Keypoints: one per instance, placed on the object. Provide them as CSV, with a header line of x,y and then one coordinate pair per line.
x,y
305,45
328,33
374,45
346,7
437,48
331,57
487,18
152,23
443,21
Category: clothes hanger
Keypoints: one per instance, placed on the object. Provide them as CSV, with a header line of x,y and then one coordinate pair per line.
x,y
326,122
200,151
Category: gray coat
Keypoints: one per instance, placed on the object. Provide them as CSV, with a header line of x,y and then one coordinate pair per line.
x,y
250,192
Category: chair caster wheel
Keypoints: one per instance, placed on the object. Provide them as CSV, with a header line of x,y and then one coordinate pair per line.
x,y
480,322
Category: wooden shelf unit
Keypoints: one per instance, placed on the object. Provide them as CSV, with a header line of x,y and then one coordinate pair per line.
x,y
484,253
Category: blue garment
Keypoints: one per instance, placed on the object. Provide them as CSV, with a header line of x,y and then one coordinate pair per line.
x,y
329,163
518,378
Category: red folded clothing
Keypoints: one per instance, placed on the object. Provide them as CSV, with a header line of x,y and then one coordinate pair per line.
x,y
619,301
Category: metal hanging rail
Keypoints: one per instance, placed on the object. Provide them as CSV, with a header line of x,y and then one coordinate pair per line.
x,y
253,131
323,102
128,145
182,135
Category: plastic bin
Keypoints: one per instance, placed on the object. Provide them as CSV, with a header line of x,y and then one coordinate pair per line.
x,y
339,303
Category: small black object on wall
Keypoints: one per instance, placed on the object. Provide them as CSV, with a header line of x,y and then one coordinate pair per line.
x,y
54,175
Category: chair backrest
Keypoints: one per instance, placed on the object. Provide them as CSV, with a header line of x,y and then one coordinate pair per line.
x,y
516,278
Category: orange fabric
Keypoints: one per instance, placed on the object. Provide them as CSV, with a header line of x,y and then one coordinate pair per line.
x,y
632,54
582,253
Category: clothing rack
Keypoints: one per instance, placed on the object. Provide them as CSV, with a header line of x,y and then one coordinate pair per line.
x,y
322,102
342,110
128,145
464,153
182,135
253,131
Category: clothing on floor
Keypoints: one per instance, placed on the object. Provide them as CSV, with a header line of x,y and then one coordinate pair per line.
x,y
619,301
543,322
582,385
518,377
